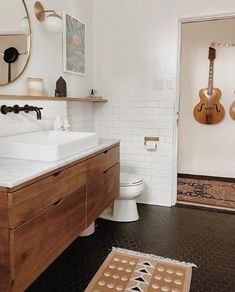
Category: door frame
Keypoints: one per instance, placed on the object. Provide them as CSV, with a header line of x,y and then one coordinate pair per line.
x,y
180,21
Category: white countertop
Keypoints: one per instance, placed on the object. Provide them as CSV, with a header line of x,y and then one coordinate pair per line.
x,y
14,172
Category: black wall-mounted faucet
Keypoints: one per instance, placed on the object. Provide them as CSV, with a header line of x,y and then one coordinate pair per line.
x,y
16,109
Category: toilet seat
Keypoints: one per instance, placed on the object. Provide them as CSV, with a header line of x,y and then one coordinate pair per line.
x,y
129,180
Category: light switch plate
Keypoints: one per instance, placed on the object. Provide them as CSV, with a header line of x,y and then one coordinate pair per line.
x,y
158,84
170,83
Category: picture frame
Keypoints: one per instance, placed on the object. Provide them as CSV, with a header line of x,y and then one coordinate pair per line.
x,y
74,45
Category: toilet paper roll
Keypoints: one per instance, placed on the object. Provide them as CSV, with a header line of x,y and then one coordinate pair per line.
x,y
151,145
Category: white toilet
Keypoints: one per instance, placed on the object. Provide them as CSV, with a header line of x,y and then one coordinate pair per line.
x,y
124,208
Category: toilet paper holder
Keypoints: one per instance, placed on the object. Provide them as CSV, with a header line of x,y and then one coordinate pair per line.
x,y
154,139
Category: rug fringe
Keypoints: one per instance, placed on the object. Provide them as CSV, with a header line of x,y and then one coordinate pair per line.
x,y
153,257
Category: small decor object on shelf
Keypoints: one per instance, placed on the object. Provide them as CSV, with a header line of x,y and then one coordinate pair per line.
x,y
93,92
35,86
93,96
61,88
74,46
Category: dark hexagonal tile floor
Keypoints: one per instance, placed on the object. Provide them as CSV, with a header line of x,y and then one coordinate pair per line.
x,y
203,237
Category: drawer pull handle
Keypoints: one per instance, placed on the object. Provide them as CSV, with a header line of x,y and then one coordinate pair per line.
x,y
106,151
56,174
58,202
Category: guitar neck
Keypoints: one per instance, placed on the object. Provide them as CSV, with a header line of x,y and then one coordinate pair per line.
x,y
211,77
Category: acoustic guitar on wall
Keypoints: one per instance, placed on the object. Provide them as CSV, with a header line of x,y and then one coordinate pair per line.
x,y
209,110
232,110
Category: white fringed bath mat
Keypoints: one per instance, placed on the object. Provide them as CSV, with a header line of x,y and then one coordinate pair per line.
x,y
126,270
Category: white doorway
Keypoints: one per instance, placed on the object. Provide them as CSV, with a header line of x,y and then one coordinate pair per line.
x,y
205,150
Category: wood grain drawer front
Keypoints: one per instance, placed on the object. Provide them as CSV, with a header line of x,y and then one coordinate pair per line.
x,y
100,163
5,273
101,192
3,210
39,241
31,200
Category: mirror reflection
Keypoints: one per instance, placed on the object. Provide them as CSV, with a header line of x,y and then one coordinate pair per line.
x,y
14,40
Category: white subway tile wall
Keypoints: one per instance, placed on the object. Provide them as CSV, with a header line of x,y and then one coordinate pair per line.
x,y
126,119
130,121
80,116
12,124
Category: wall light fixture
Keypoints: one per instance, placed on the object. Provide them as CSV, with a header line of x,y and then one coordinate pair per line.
x,y
53,22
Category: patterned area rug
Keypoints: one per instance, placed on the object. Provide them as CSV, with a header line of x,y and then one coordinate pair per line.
x,y
201,190
125,270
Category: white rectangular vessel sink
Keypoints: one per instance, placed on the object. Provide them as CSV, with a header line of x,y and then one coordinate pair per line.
x,y
46,145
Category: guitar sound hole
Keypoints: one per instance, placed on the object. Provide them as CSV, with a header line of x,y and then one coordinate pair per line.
x,y
208,107
201,107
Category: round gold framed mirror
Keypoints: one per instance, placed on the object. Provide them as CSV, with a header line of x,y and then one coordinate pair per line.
x,y
15,40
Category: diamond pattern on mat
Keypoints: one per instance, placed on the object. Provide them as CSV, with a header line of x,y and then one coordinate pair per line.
x,y
140,279
147,264
136,289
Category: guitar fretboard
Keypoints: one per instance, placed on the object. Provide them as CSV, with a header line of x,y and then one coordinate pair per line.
x,y
211,76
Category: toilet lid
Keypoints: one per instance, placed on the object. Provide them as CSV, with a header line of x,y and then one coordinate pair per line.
x,y
129,179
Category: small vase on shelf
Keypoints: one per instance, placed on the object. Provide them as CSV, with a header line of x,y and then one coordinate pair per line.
x,y
61,88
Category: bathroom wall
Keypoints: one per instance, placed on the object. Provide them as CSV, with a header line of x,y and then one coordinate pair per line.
x,y
12,124
206,149
135,60
81,116
130,119
46,62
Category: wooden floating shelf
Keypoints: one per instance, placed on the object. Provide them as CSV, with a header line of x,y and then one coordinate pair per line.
x,y
69,99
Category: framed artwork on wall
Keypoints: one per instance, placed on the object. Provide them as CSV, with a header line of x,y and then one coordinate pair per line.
x,y
74,46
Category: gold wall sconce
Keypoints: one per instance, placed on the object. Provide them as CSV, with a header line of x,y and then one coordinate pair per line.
x,y
53,22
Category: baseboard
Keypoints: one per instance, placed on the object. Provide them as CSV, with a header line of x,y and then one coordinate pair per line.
x,y
204,207
206,177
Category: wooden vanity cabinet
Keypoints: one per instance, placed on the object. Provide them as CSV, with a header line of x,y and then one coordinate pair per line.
x,y
40,240
101,192
41,218
34,198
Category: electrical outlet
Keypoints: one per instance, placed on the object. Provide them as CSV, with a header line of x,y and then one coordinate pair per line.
x,y
170,83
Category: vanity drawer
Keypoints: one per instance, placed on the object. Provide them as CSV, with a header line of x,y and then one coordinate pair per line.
x,y
31,200
98,164
35,244
5,270
101,192
3,210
